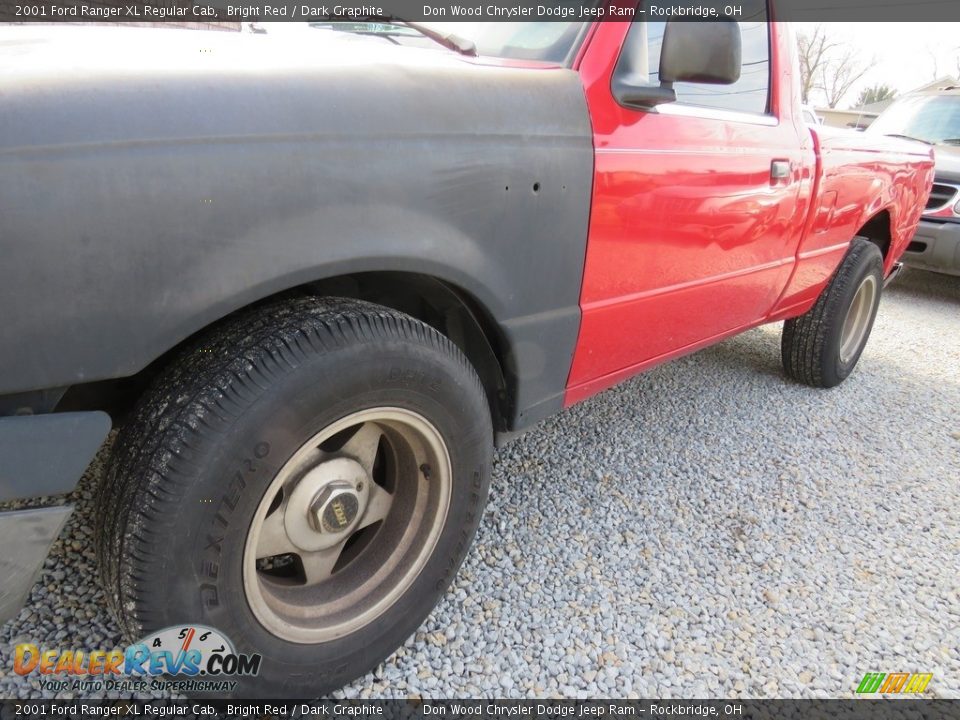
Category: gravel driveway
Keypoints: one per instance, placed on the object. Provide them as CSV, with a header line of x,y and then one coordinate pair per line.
x,y
706,529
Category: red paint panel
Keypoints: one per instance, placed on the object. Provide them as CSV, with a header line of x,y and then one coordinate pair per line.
x,y
860,176
670,321
689,236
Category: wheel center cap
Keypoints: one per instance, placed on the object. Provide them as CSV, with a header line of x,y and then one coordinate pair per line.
x,y
339,512
326,504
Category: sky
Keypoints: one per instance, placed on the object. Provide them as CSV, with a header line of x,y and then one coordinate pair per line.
x,y
901,55
904,55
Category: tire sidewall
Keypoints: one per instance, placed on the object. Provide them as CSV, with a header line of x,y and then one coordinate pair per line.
x,y
204,582
866,261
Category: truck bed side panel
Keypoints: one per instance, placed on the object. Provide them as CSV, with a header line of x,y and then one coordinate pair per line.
x,y
859,177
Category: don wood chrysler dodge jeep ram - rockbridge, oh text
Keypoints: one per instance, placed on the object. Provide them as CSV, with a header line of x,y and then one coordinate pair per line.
x,y
313,283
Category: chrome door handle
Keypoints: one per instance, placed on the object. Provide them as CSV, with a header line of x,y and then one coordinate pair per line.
x,y
780,170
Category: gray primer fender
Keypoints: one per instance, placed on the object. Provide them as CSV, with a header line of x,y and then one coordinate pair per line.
x,y
148,190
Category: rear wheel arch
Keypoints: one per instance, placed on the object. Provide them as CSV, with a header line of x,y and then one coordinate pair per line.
x,y
879,230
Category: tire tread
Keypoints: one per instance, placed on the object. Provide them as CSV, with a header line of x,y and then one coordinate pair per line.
x,y
803,346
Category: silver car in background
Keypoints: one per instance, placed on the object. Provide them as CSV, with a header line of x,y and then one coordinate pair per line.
x,y
932,117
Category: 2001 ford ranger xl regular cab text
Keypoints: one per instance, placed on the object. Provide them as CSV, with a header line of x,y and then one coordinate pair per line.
x,y
312,283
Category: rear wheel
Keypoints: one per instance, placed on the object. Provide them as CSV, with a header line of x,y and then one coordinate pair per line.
x,y
821,347
307,481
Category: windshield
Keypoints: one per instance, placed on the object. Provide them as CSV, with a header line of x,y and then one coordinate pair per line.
x,y
552,42
931,118
546,41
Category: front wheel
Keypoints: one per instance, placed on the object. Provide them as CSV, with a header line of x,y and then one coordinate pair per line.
x,y
306,481
821,347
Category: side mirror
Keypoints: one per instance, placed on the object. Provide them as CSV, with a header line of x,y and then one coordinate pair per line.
x,y
691,51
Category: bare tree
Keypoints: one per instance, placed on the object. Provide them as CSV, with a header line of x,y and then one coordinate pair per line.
x,y
814,50
837,78
827,66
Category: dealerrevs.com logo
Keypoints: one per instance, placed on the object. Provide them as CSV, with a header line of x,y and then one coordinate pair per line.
x,y
181,658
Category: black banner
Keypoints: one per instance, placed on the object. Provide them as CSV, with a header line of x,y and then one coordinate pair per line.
x,y
421,709
181,11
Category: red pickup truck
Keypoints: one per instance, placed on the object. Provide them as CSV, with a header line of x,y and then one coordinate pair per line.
x,y
313,283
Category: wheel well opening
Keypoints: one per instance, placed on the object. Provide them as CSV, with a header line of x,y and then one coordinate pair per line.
x,y
877,231
448,309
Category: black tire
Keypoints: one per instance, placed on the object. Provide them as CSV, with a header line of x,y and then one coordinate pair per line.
x,y
811,344
206,440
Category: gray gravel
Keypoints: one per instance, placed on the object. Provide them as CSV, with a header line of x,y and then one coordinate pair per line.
x,y
706,529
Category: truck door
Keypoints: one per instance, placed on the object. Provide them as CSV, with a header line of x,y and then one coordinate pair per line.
x,y
698,205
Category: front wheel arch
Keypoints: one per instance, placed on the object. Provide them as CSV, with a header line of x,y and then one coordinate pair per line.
x,y
446,307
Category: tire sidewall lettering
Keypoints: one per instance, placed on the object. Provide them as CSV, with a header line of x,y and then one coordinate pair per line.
x,y
211,558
